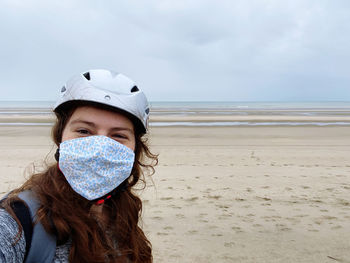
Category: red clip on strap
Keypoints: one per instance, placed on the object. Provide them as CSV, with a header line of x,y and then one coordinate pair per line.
x,y
101,201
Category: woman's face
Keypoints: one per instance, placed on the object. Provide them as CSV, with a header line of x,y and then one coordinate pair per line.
x,y
88,121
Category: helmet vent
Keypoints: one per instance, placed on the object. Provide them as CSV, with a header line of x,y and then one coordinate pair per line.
x,y
63,89
107,97
134,89
87,75
147,110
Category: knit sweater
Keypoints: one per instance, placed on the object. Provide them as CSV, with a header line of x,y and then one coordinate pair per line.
x,y
13,252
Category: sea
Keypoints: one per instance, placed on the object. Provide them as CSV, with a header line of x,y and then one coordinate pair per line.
x,y
339,109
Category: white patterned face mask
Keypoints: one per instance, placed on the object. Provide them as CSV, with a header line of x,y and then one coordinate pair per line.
x,y
95,165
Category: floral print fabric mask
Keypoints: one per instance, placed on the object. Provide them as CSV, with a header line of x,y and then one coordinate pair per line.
x,y
95,165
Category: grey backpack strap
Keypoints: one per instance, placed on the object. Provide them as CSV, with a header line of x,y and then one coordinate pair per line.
x,y
43,245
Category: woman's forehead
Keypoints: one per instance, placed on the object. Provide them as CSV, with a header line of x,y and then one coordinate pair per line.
x,y
100,117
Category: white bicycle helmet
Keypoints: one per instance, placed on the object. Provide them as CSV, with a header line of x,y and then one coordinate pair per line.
x,y
108,88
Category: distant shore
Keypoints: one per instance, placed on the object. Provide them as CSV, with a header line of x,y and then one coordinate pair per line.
x,y
18,117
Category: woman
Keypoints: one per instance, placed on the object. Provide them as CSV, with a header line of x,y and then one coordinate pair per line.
x,y
85,201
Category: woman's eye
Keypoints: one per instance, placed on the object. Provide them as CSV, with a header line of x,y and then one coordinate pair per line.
x,y
121,136
83,131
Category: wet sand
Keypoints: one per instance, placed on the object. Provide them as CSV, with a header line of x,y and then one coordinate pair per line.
x,y
231,194
46,117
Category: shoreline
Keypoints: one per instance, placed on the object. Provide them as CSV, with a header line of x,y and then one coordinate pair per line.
x,y
199,120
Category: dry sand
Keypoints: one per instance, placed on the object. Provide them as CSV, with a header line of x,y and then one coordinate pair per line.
x,y
231,194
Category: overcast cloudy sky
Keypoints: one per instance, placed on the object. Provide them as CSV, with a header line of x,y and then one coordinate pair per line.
x,y
238,50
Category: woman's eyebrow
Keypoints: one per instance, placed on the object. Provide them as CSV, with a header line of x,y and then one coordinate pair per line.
x,y
122,129
78,121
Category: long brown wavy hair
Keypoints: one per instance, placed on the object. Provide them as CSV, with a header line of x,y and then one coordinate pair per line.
x,y
69,216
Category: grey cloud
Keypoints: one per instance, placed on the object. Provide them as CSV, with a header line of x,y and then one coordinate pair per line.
x,y
183,50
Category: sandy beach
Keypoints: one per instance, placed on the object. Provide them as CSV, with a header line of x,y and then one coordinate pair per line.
x,y
231,194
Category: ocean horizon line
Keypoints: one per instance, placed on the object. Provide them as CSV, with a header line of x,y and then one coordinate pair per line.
x,y
214,101
199,104
203,124
201,113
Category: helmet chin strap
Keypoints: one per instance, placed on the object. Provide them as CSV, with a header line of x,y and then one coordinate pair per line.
x,y
57,154
123,187
101,201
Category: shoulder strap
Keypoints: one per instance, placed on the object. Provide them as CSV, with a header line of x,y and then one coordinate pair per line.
x,y
23,215
43,244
